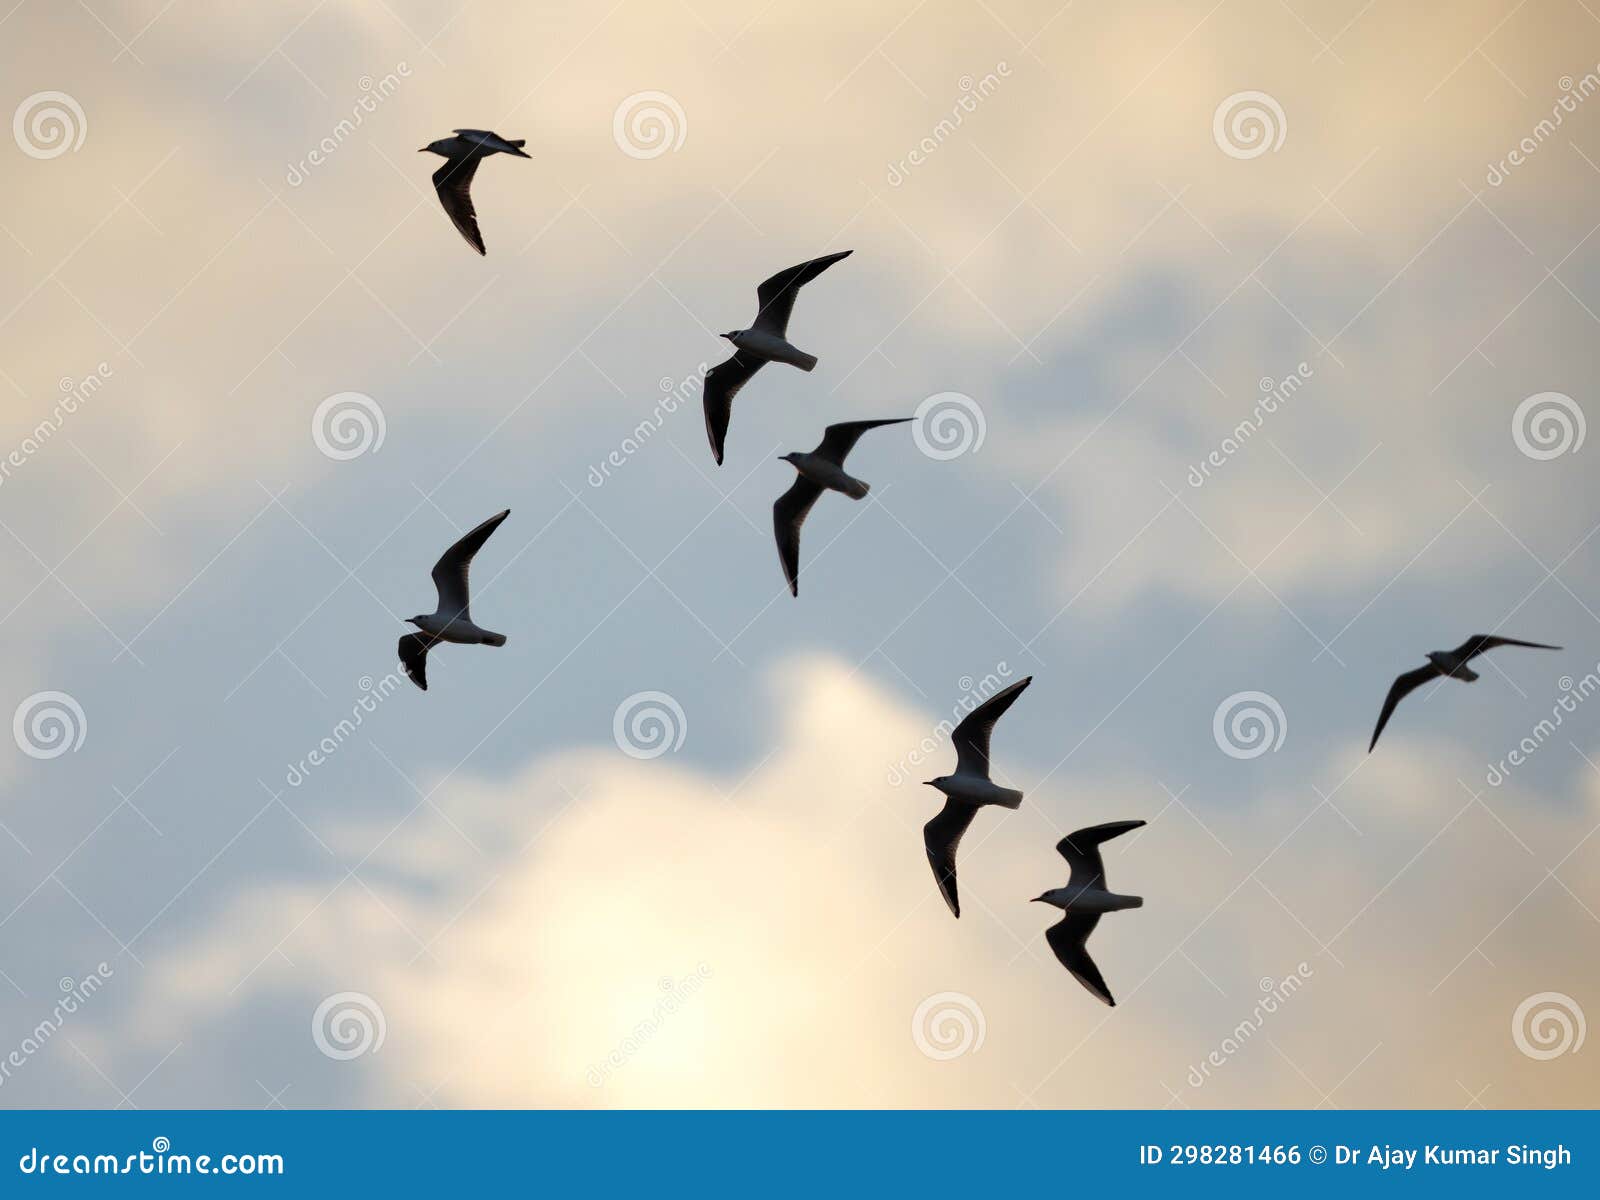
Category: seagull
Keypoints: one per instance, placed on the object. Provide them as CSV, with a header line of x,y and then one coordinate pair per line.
x,y
765,341
968,790
1083,900
819,471
1452,663
464,152
453,622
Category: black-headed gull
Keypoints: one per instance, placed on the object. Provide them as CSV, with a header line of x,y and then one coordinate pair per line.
x,y
820,470
1441,664
452,181
765,341
453,621
967,790
1083,900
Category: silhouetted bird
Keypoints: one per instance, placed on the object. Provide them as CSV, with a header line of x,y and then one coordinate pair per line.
x,y
453,621
453,180
1441,663
1083,900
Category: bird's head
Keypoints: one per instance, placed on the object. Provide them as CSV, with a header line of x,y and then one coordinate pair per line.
x,y
788,458
416,620
435,148
1437,657
936,783
731,334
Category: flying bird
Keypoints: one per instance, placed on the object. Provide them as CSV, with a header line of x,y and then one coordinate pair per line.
x,y
967,790
1441,663
819,471
453,621
453,180
765,341
1083,900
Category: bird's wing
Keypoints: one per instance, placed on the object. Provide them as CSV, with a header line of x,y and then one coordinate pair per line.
x,y
1479,642
1067,937
489,140
722,384
776,295
1081,849
788,514
453,181
450,572
1398,691
414,658
941,836
838,440
971,737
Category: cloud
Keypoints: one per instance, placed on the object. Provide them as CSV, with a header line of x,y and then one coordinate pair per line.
x,y
647,933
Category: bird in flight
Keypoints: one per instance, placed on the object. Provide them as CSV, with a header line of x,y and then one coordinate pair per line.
x,y
1441,664
1083,900
452,181
967,790
453,621
819,471
765,341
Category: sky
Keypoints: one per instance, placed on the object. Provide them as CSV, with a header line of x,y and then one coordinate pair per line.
x,y
1251,347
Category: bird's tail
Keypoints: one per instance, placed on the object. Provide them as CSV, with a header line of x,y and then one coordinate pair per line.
x,y
519,143
1009,798
856,489
494,639
1118,903
806,362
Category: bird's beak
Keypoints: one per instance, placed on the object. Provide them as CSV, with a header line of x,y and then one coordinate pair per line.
x,y
424,150
1036,900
